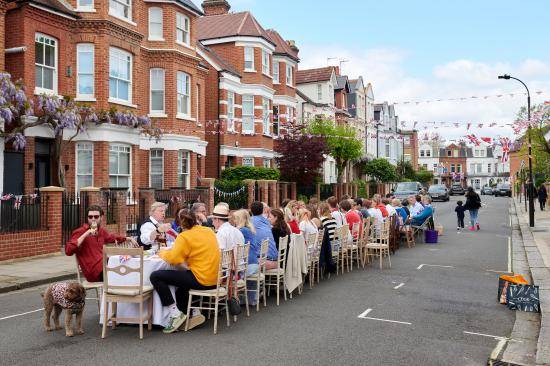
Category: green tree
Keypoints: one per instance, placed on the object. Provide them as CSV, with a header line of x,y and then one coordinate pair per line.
x,y
424,176
405,171
343,145
381,170
540,125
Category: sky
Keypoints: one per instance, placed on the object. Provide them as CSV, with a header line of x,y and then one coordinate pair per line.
x,y
418,51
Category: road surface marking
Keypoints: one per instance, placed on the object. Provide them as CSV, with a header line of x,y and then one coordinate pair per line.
x,y
509,254
25,313
433,265
432,250
498,338
501,343
364,316
398,286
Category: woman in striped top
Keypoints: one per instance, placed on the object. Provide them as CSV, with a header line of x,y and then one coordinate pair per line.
x,y
329,224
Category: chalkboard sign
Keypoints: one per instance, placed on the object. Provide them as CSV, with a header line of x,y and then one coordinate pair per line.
x,y
523,297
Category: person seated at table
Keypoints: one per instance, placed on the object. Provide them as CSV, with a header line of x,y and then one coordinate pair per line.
x,y
279,227
415,207
401,213
352,217
328,222
199,210
306,226
197,247
154,229
314,212
244,224
377,202
427,212
263,231
87,243
291,209
228,235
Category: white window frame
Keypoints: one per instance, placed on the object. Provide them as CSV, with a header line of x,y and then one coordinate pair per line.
x,y
289,114
289,75
319,92
184,178
248,118
114,13
46,42
157,112
230,111
265,116
422,153
83,146
276,120
85,8
428,153
266,163
85,48
265,62
249,57
154,24
183,88
489,168
119,148
183,25
120,54
248,161
276,74
161,174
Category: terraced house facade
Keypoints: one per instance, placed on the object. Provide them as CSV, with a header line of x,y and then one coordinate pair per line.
x,y
252,93
219,86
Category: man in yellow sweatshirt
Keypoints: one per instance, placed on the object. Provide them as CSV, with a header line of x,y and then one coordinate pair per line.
x,y
198,249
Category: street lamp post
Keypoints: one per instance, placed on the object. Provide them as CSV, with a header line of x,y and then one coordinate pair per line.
x,y
531,183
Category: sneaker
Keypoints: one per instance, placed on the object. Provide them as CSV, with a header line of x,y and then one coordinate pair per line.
x,y
194,322
472,228
478,228
175,323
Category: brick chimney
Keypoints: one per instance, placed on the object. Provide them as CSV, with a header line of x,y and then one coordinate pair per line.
x,y
215,7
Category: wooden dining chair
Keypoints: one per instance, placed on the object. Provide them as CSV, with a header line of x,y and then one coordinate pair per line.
x,y
96,286
241,275
135,293
381,246
312,242
259,277
218,294
276,277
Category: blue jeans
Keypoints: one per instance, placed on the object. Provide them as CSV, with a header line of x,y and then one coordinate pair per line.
x,y
473,217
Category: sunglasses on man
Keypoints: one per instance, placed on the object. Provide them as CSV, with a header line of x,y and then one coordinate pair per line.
x,y
93,217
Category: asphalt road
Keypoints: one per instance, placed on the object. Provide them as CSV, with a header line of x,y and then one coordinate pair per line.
x,y
422,322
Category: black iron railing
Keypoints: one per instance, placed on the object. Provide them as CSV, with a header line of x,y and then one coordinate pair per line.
x,y
24,213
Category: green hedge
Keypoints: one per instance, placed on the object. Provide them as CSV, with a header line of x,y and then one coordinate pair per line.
x,y
240,173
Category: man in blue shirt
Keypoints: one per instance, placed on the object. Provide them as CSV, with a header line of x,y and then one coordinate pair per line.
x,y
263,231
418,220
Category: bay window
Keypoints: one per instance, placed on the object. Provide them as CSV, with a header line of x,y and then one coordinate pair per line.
x,y
249,59
265,116
248,114
156,82
119,166
230,111
289,75
275,72
184,180
184,94
85,70
156,168
120,75
84,165
182,29
276,120
265,62
121,9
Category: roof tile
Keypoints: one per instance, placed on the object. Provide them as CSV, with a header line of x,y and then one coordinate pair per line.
x,y
314,75
229,25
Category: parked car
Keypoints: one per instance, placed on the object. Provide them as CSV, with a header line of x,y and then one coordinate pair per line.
x,y
487,190
503,189
405,189
457,188
439,192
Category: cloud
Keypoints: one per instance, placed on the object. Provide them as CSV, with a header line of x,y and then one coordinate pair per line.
x,y
386,69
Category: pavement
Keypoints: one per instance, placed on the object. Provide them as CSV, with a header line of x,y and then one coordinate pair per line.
x,y
532,257
436,305
19,274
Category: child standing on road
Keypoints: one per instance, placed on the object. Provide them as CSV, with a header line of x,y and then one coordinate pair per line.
x,y
459,215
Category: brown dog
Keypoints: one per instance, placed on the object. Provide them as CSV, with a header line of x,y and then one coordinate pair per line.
x,y
64,295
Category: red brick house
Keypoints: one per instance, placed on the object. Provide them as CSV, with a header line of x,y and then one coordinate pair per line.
x,y
130,55
251,87
453,159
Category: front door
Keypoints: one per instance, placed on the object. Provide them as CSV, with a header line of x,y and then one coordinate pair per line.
x,y
14,174
42,163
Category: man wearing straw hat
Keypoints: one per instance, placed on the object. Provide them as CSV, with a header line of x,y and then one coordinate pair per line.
x,y
228,235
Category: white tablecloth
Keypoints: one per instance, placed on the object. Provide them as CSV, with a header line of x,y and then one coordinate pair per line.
x,y
129,310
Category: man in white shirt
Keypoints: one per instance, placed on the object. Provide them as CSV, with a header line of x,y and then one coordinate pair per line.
x,y
415,207
228,235
154,227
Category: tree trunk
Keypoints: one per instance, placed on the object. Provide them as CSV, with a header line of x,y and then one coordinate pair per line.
x,y
59,147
